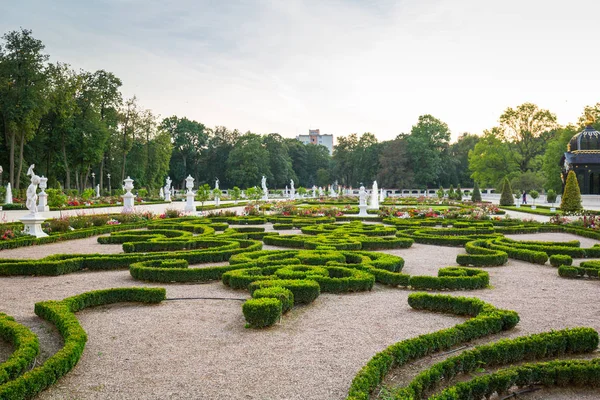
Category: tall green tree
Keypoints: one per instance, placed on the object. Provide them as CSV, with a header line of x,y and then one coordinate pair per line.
x,y
428,139
528,128
395,171
491,160
280,162
189,138
248,161
23,85
344,159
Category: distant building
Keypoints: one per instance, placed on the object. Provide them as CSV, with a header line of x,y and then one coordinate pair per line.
x,y
315,137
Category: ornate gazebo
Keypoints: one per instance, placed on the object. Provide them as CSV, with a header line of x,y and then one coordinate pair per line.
x,y
583,157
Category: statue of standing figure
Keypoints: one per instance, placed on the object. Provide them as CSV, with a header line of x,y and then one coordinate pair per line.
x,y
32,197
167,189
292,190
263,184
217,183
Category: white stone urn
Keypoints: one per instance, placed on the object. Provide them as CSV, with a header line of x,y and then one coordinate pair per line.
x,y
128,197
43,196
189,196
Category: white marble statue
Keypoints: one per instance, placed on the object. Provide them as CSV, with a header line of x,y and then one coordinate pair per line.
x,y
362,202
161,193
382,195
314,191
42,195
128,197
32,197
8,198
98,190
167,189
263,185
292,190
217,183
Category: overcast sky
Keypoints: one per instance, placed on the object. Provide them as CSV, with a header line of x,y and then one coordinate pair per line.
x,y
339,65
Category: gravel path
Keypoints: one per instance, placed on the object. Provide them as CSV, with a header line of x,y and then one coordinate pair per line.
x,y
200,349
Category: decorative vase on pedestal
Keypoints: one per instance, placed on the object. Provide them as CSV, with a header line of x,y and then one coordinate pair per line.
x,y
189,195
362,202
43,196
128,197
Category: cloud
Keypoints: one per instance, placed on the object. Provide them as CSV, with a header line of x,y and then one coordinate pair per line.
x,y
343,66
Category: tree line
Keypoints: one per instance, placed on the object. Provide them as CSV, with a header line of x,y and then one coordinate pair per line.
x,y
78,129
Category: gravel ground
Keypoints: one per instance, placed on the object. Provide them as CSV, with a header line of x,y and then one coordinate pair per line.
x,y
200,349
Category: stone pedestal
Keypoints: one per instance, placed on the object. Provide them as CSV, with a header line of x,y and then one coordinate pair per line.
x,y
43,202
189,202
168,195
363,210
217,201
128,201
33,225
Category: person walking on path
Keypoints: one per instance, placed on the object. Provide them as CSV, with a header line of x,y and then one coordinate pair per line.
x,y
524,197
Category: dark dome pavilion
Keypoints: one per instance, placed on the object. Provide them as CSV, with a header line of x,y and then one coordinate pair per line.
x,y
583,157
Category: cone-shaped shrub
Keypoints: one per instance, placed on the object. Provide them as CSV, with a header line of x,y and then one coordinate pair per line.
x,y
506,199
476,195
571,198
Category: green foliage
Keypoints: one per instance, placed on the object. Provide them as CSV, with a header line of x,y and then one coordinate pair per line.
x,y
248,161
551,196
556,260
571,198
56,198
285,296
61,314
485,320
476,195
203,193
26,348
262,312
440,193
506,198
235,193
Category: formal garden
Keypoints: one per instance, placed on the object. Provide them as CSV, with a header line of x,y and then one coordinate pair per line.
x,y
320,298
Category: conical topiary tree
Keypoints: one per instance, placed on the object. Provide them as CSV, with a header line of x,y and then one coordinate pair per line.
x,y
476,195
571,198
451,192
458,194
506,199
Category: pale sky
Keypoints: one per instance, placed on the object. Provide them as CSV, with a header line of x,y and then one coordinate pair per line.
x,y
339,65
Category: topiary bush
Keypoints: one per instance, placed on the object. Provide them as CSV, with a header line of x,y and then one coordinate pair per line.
x,y
262,312
285,296
571,199
557,260
551,196
506,199
476,195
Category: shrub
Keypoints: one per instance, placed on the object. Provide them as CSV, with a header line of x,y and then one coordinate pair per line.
x,y
56,198
26,347
262,312
506,198
305,291
285,296
486,320
571,199
551,196
476,195
534,195
61,314
557,260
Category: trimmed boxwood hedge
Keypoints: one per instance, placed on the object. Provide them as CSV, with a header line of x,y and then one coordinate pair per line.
x,y
262,312
578,373
62,315
24,241
556,260
507,351
486,320
589,269
26,348
59,264
341,241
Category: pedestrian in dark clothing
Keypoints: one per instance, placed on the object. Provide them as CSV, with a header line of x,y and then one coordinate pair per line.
x,y
524,197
